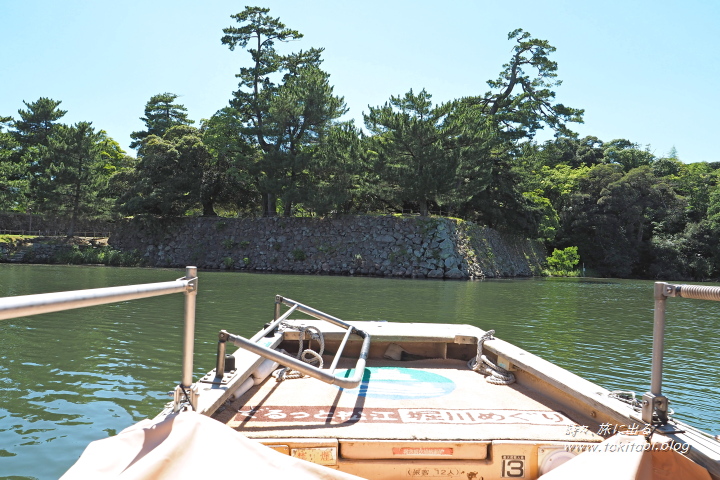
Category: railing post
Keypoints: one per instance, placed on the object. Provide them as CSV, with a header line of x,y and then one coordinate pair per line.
x,y
654,401
185,387
278,303
189,332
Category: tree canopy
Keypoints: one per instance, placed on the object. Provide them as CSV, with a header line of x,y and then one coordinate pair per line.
x,y
285,103
161,114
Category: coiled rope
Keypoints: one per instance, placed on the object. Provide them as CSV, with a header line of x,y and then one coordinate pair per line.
x,y
308,355
481,364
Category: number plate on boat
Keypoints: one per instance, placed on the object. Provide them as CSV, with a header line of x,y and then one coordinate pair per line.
x,y
319,455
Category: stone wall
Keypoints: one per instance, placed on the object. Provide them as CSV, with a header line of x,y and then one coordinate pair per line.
x,y
364,245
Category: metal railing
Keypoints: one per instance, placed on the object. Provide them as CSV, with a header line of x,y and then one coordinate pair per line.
x,y
654,402
327,376
24,305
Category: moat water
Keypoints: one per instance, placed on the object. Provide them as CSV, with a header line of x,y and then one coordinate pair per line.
x,y
73,377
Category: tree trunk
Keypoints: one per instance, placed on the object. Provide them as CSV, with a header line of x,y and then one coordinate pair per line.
x,y
208,209
287,208
75,209
270,205
423,207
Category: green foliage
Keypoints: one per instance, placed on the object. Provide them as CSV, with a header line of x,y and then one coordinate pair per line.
x,y
161,114
228,243
299,255
166,177
522,103
562,263
27,157
75,181
338,178
418,153
38,122
13,179
613,217
228,262
13,238
284,103
627,154
231,179
99,255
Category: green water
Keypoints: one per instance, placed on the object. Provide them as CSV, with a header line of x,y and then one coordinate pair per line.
x,y
72,377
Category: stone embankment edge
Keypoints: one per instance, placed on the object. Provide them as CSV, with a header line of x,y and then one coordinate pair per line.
x,y
387,246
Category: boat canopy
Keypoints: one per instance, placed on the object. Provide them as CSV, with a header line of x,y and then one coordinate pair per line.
x,y
189,446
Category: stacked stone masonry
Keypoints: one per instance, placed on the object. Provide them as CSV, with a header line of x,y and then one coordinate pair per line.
x,y
390,246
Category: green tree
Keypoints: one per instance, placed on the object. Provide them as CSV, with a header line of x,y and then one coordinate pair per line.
x,y
523,99
614,217
522,102
509,201
161,114
667,167
573,152
285,102
235,175
418,151
38,122
696,182
13,178
32,132
627,154
563,262
169,176
337,179
79,163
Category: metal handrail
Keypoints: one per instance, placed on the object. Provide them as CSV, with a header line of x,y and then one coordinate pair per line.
x,y
300,366
654,402
24,305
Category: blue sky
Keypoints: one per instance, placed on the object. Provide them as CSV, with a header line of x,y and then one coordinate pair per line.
x,y
642,70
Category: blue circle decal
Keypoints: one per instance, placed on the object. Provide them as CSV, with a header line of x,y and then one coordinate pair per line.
x,y
399,383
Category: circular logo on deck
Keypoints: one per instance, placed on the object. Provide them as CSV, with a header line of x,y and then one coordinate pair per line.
x,y
401,383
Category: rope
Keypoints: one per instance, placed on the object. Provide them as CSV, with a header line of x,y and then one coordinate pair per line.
x,y
626,397
495,374
308,355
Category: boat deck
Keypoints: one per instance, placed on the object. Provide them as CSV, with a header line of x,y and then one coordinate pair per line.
x,y
430,417
438,399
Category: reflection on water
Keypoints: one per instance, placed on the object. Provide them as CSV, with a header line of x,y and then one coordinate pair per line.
x,y
74,377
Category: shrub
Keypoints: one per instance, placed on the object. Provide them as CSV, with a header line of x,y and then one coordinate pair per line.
x,y
102,255
562,263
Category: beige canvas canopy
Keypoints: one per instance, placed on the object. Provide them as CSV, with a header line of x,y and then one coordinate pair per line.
x,y
189,446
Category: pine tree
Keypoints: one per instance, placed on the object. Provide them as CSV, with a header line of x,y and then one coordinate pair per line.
x,y
161,114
